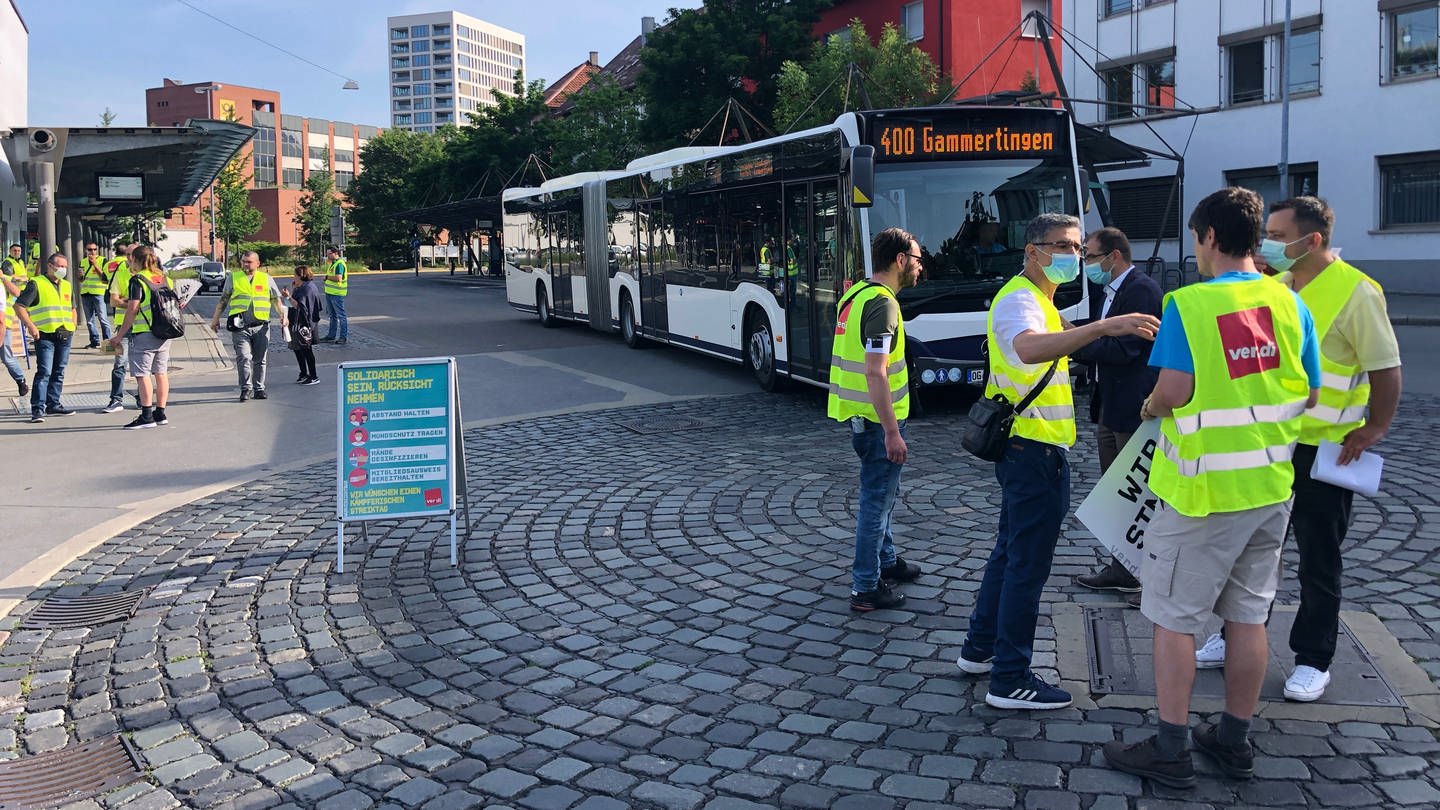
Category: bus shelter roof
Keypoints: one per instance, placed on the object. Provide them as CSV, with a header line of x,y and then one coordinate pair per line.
x,y
460,215
176,164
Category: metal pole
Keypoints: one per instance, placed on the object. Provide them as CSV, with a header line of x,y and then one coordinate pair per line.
x,y
1285,107
45,174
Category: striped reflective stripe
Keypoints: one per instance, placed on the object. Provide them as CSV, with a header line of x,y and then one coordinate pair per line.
x,y
1225,462
1238,417
1336,416
1053,412
864,396
1340,382
1000,379
859,368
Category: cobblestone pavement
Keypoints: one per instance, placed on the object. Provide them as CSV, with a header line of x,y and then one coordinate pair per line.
x,y
654,622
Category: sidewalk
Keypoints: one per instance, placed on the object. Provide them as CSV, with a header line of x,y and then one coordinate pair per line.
x,y
1414,310
659,620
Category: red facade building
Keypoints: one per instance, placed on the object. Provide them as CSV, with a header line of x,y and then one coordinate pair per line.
x,y
958,34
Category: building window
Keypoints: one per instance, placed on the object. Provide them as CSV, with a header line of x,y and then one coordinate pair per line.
x,y
1112,7
840,35
343,180
422,60
1265,181
1148,208
1247,72
419,46
419,30
292,178
399,47
1026,7
912,20
398,33
423,117
421,89
344,156
1410,190
1119,93
441,30
423,74
1304,62
318,152
400,90
290,143
400,76
1415,41
1159,78
400,62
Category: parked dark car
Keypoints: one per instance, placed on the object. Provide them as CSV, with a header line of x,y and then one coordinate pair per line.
x,y
212,275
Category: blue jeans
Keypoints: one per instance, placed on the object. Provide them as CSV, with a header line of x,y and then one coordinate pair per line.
x,y
51,355
7,357
335,306
1034,499
879,484
119,370
96,312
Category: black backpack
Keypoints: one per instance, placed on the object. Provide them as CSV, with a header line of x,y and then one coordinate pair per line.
x,y
166,320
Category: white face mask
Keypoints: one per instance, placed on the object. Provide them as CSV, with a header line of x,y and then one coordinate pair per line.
x,y
62,272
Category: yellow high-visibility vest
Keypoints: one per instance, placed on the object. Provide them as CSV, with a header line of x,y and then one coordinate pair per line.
x,y
20,277
1050,418
849,393
341,287
53,310
1344,389
142,315
250,291
1229,448
93,280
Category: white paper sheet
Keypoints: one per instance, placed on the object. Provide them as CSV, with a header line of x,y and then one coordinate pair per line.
x,y
1361,475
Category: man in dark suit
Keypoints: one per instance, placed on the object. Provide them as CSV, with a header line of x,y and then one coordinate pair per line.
x,y
1121,365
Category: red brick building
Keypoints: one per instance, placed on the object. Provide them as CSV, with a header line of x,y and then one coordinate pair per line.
x,y
285,150
958,34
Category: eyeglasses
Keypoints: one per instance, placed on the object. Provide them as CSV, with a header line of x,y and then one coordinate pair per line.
x,y
1071,247
92,250
914,256
1095,257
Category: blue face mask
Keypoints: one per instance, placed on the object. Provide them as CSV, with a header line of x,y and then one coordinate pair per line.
x,y
1273,252
1063,267
1096,273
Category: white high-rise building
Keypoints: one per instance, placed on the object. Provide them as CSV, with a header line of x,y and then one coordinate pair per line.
x,y
445,64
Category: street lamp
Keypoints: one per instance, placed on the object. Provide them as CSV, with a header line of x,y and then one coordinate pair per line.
x,y
209,90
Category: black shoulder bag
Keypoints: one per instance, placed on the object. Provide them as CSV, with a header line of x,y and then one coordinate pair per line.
x,y
992,418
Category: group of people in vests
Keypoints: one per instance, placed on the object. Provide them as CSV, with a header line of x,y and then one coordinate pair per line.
x,y
1247,374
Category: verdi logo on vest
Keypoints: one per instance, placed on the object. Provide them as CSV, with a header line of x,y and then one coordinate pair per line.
x,y
1248,339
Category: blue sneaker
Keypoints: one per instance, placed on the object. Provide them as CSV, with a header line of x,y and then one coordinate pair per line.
x,y
1029,693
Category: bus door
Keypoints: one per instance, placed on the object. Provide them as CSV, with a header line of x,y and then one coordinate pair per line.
x,y
561,250
651,264
811,270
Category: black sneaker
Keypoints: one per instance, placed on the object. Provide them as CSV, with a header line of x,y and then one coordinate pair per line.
x,y
326,339
342,341
1112,577
1237,761
244,395
144,420
159,417
1144,760
36,418
312,381
879,599
1029,693
93,345
301,379
59,410
901,571
115,406
260,394
23,386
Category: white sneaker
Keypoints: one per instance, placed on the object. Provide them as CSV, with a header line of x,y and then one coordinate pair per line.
x,y
975,667
1306,684
1212,655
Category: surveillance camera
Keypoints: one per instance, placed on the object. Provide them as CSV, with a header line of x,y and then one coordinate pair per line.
x,y
42,141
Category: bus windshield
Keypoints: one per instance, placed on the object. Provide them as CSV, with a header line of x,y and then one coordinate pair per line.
x,y
969,218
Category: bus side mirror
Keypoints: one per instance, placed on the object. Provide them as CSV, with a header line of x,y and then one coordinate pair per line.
x,y
1085,190
862,176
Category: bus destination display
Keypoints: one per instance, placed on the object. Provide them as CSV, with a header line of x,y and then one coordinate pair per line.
x,y
940,139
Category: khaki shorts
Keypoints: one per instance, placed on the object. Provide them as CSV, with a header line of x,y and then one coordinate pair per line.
x,y
1227,564
149,355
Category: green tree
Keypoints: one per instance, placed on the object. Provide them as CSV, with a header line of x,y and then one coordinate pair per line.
x,y
400,167
894,72
601,131
235,218
498,140
312,211
107,117
728,49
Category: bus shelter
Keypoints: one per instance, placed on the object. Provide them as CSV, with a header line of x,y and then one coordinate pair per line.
x,y
474,223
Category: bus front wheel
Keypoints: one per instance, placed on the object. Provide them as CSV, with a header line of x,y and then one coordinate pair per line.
x,y
628,330
760,352
542,308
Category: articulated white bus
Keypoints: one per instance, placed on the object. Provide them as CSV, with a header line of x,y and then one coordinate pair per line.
x,y
742,252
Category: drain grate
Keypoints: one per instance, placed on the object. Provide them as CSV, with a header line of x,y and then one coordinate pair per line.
x,y
62,612
68,775
1122,661
661,424
75,402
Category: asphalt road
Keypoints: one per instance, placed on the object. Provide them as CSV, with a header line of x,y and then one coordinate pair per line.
x,y
70,483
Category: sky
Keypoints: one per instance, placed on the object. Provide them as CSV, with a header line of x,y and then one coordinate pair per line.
x,y
87,55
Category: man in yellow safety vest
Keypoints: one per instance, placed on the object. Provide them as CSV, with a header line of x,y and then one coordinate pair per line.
x,y
1239,364
1029,343
870,393
248,300
1359,392
94,282
117,291
337,287
48,313
10,267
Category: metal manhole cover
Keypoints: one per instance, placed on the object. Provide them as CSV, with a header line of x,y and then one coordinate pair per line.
x,y
661,424
75,402
1121,652
68,775
61,612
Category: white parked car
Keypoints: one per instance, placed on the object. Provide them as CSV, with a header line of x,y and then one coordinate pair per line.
x,y
183,263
